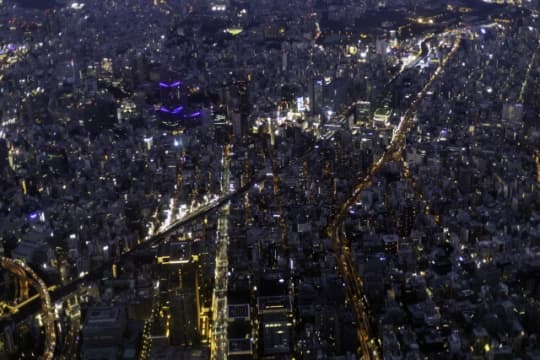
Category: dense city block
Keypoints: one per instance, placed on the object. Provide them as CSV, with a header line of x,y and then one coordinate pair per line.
x,y
267,179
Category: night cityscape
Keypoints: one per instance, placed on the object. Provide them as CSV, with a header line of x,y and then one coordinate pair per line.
x,y
269,179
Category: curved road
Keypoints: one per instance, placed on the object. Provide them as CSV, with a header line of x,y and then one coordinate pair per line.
x,y
336,232
25,273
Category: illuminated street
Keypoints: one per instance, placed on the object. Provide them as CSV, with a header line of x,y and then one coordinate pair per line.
x,y
336,232
26,274
219,341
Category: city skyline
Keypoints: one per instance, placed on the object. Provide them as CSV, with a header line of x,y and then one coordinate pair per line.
x,y
235,179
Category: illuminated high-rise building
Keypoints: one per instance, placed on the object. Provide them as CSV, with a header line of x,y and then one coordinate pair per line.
x,y
362,113
179,287
275,318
